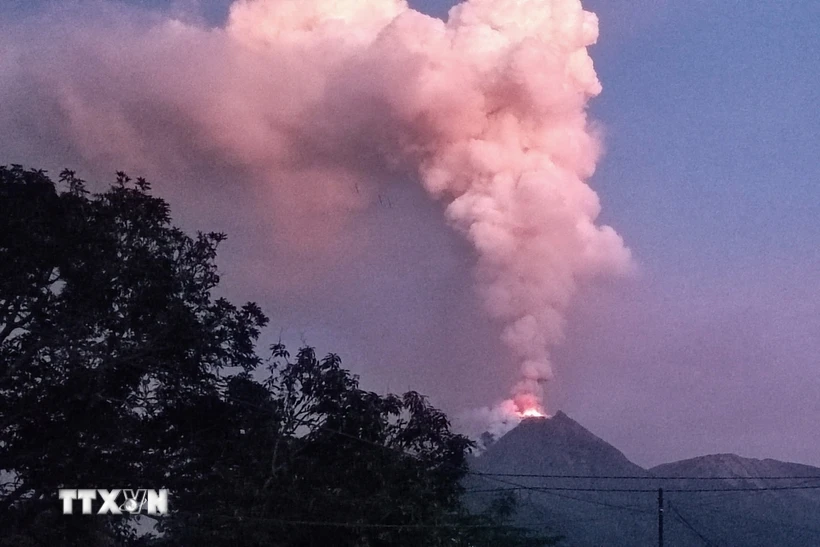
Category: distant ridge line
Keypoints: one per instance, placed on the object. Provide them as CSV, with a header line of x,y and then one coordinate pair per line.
x,y
648,477
676,490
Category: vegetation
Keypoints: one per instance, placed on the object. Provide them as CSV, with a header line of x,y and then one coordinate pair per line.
x,y
118,367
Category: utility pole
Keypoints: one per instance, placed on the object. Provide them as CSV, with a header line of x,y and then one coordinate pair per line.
x,y
660,517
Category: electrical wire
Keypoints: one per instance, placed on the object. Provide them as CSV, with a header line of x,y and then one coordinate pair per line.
x,y
567,489
709,504
644,490
516,486
341,524
647,477
689,526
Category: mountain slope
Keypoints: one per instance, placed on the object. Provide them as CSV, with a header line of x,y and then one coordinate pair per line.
x,y
557,445
728,499
721,465
561,447
753,509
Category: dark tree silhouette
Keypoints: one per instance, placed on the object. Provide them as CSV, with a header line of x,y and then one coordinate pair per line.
x,y
118,367
107,326
316,460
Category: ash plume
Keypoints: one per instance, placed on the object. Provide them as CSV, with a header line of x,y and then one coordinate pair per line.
x,y
325,100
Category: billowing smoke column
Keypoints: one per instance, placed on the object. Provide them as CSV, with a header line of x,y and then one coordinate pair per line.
x,y
490,108
314,96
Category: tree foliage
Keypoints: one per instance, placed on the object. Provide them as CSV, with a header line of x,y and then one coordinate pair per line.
x,y
119,367
107,325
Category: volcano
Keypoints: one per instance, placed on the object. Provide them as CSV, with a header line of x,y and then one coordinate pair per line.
x,y
557,446
570,482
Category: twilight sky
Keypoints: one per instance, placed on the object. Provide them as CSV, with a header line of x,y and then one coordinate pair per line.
x,y
710,122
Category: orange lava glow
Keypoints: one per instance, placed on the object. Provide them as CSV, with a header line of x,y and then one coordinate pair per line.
x,y
533,413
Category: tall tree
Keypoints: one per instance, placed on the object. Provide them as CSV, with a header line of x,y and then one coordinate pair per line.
x,y
107,326
316,460
118,367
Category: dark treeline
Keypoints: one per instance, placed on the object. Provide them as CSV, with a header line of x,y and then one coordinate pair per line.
x,y
118,368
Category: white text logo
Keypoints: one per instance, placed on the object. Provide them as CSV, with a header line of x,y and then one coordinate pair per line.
x,y
116,501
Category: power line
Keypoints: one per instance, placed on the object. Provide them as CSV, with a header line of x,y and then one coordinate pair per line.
x,y
372,525
540,489
743,489
517,486
639,477
643,490
495,476
709,505
562,489
562,476
689,526
721,495
554,491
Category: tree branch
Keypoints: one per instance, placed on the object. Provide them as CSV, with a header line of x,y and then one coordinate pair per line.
x,y
12,498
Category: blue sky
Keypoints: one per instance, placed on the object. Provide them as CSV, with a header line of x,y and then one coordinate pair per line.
x,y
711,114
711,175
712,110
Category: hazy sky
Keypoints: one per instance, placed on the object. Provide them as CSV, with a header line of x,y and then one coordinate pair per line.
x,y
712,136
